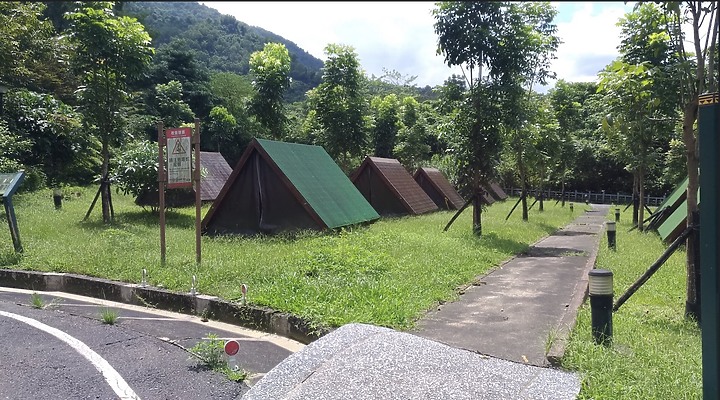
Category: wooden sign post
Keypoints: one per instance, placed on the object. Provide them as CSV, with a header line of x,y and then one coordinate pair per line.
x,y
177,172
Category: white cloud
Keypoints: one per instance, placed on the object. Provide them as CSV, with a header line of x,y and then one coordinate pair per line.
x,y
589,39
392,35
400,35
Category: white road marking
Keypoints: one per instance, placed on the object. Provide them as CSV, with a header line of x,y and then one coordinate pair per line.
x,y
116,382
280,341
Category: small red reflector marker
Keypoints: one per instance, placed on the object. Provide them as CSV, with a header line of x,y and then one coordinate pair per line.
x,y
232,347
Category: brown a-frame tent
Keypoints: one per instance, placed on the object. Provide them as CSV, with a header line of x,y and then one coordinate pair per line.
x,y
390,189
279,187
496,191
214,171
440,190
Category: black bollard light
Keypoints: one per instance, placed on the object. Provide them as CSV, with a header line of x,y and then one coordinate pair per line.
x,y
611,235
571,207
617,215
57,198
600,287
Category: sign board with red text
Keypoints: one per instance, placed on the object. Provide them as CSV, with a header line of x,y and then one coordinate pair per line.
x,y
179,150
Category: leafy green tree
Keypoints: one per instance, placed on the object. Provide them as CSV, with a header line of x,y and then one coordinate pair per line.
x,y
632,130
61,149
233,91
270,68
13,148
452,92
412,148
169,105
108,50
341,105
568,101
136,168
226,135
387,124
25,37
392,82
515,41
697,71
177,62
646,45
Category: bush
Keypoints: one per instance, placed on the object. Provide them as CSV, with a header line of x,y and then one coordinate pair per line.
x,y
136,174
136,170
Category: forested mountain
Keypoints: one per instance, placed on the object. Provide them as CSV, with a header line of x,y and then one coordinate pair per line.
x,y
220,42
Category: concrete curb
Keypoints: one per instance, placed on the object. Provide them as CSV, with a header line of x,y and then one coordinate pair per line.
x,y
258,318
569,319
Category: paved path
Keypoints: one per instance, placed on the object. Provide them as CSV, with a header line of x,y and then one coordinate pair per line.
x,y
521,303
507,320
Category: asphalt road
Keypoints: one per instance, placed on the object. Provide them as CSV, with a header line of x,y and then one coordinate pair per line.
x,y
64,351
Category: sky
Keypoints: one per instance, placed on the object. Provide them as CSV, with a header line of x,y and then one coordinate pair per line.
x,y
400,35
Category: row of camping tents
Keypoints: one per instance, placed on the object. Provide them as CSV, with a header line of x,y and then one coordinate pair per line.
x,y
280,186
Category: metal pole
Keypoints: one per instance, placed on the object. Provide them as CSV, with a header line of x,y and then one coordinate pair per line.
x,y
708,125
161,188
196,141
12,223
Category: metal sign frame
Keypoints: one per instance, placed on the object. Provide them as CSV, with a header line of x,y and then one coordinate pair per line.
x,y
8,187
179,150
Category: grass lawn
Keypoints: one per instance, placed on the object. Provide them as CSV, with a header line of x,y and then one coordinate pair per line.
x,y
656,353
387,273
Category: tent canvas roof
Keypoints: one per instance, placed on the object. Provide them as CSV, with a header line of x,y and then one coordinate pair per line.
x,y
214,172
676,222
280,186
672,202
440,190
496,191
390,189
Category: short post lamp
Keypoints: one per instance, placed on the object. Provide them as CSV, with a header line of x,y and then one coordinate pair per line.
x,y
600,287
57,198
611,235
3,90
617,215
571,207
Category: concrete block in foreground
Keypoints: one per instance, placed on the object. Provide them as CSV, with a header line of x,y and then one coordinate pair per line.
x,y
359,361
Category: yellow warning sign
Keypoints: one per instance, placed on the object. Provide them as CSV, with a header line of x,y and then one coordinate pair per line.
x,y
708,98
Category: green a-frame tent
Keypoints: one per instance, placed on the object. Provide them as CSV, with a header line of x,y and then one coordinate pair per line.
x,y
279,187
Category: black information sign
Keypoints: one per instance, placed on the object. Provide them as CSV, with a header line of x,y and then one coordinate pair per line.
x,y
9,184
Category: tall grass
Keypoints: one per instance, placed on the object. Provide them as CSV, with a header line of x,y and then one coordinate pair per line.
x,y
656,352
387,273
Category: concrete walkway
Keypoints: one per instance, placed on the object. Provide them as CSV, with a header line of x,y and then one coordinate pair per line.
x,y
507,320
527,300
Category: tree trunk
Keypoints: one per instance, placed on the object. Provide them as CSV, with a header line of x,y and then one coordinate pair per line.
x,y
641,197
540,200
562,192
523,192
477,212
104,186
692,301
635,199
